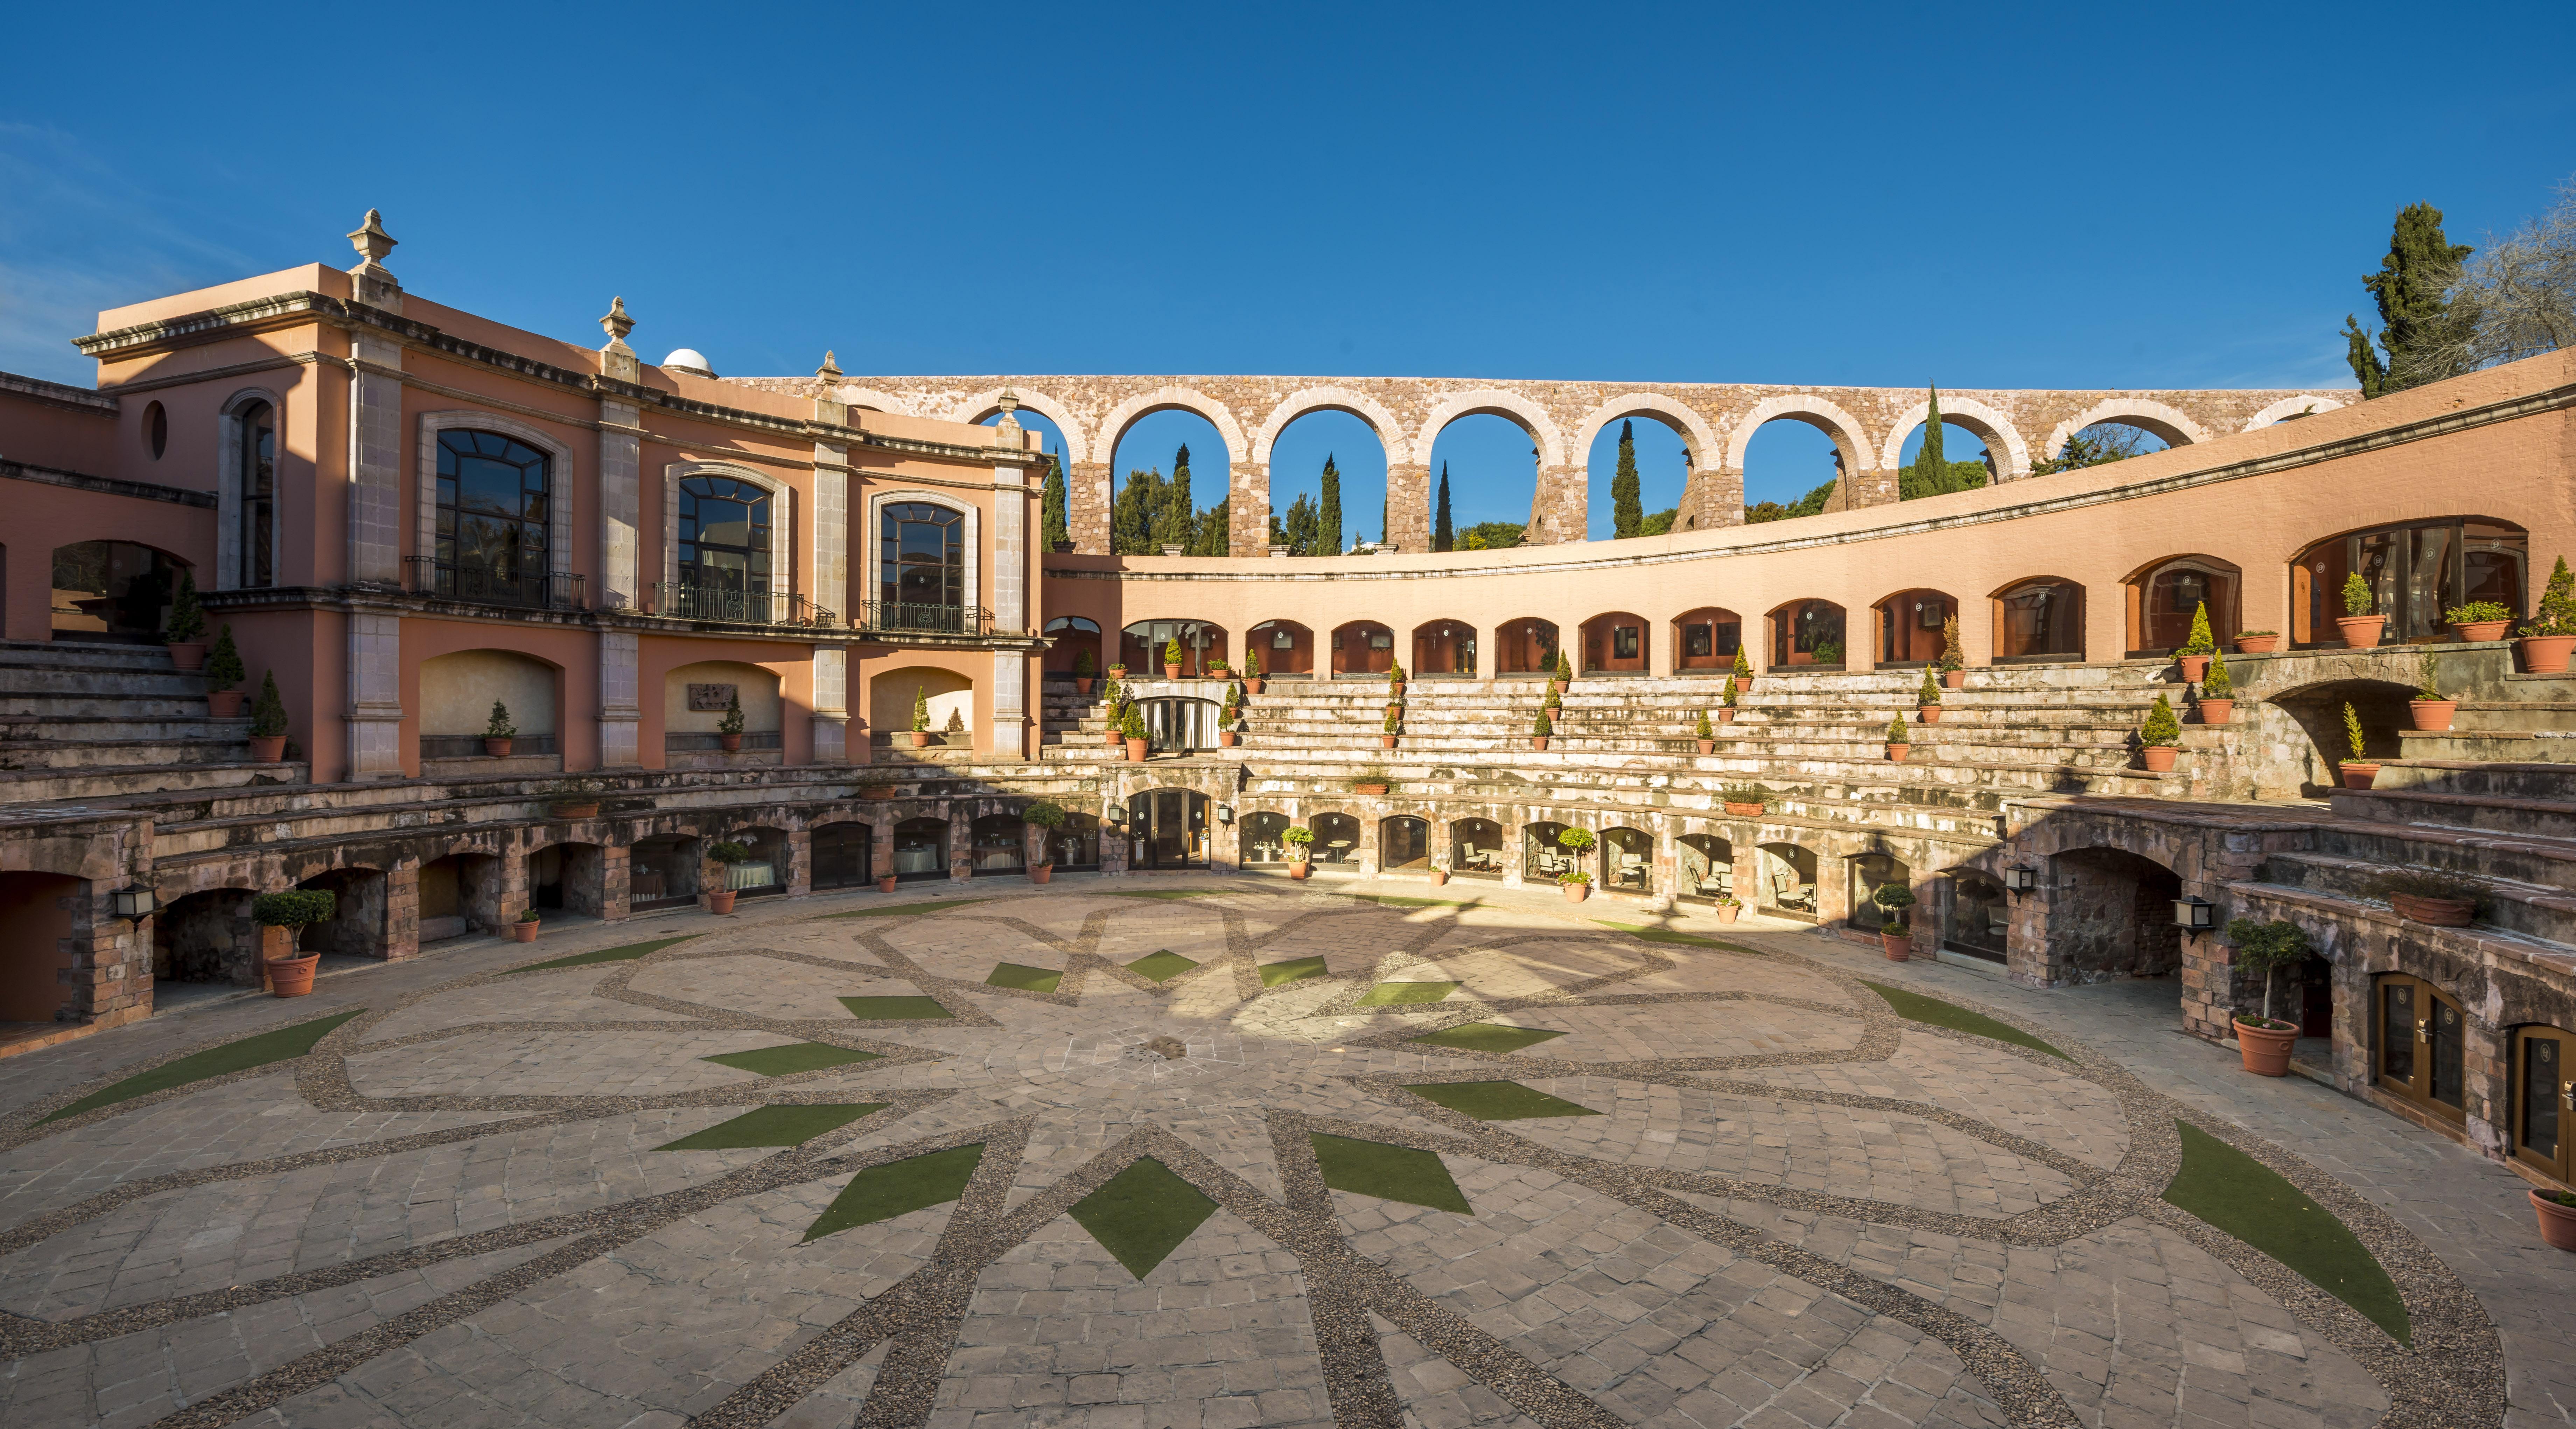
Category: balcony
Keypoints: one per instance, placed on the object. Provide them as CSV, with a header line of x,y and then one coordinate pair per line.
x,y
481,585
893,617
680,601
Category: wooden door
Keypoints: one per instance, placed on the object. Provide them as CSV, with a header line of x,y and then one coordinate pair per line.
x,y
2544,1101
2420,1044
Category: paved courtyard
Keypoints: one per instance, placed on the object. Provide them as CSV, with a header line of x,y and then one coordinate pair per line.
x,y
1218,1152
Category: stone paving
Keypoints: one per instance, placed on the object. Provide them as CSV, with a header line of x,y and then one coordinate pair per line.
x,y
1787,1206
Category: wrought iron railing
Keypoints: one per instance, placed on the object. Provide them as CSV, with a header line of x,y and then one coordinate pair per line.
x,y
482,585
925,619
682,601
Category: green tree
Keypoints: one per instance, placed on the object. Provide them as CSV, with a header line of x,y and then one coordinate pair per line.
x,y
1132,515
2416,323
1215,532
1627,514
2096,444
1808,505
1176,515
1328,512
1658,523
1493,536
1932,473
1055,523
1444,532
1299,532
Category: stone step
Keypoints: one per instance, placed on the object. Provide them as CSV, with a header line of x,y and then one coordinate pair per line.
x,y
2541,912
73,786
2540,859
2519,716
2483,943
144,707
133,727
43,679
2550,818
82,654
109,754
2503,779
2490,746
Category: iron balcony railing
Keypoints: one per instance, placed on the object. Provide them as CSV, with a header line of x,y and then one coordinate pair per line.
x,y
482,585
682,601
891,615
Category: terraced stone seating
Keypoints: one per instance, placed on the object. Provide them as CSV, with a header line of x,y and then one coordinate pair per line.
x,y
84,721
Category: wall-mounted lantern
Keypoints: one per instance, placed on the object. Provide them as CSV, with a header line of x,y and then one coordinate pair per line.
x,y
134,902
2195,915
2020,879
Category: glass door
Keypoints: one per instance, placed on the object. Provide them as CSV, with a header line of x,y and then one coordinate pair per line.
x,y
1167,828
2421,1050
2544,1100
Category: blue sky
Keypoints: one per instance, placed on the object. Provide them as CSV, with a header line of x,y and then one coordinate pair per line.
x,y
1996,196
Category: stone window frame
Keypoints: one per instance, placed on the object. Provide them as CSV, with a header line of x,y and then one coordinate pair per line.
x,y
559,478
228,487
783,521
872,545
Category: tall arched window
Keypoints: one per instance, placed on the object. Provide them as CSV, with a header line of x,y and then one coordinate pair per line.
x,y
724,549
495,500
257,428
2168,595
921,563
2040,620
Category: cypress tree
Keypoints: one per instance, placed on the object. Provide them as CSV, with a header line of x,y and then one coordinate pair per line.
x,y
1134,516
1931,458
1055,526
1299,532
1444,534
1176,515
1328,512
1213,538
1627,514
2415,321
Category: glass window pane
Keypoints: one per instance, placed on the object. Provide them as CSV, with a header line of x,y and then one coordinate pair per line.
x,y
2542,1069
2397,1032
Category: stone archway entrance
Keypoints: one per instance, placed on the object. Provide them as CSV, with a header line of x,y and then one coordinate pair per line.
x,y
2110,915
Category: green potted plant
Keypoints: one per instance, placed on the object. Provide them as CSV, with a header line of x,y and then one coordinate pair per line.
x,y
1394,728
1300,843
187,621
1745,801
2430,710
1229,724
1395,678
285,970
2479,620
2217,702
1927,700
1113,703
267,722
1895,939
1172,657
1705,734
1726,698
1576,883
1954,660
1540,729
2160,734
1829,652
1900,740
1118,668
2360,771
1729,907
1046,816
1217,668
1252,671
2549,637
1084,668
1439,870
2194,655
920,716
499,735
1743,676
1131,731
574,801
2264,1042
1564,680
2360,626
1372,780
223,671
725,853
525,930
2257,642
2434,897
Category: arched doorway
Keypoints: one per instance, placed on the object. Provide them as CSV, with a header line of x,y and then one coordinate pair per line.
x,y
1627,861
921,849
766,871
1911,625
1167,828
2039,621
456,894
662,872
1337,838
1075,844
1615,644
1706,639
2540,1062
1363,648
1075,637
1287,649
1807,633
1788,882
724,553
1403,842
35,922
1979,919
113,591
1000,844
205,937
1444,649
1525,647
1476,848
1261,838
1869,873
844,856
1707,867
1542,857
2420,1037
1144,644
2415,572
2164,596
2111,916
356,927
567,878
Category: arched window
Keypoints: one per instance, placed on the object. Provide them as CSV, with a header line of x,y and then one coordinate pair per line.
x,y
1000,845
2167,595
257,432
1707,866
724,550
1542,857
1337,839
1403,842
2415,572
1261,842
921,849
1476,848
921,559
494,503
1869,873
2040,620
1627,861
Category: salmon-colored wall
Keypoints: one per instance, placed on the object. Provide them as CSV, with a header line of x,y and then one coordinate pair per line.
x,y
574,654
658,656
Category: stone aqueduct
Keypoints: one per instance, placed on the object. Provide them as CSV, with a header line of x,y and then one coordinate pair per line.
x,y
1715,421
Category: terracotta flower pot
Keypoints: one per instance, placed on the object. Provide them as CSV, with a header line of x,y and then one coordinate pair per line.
x,y
1954,679
886,884
1706,746
576,810
1558,687
1135,751
2481,630
2159,758
920,738
1171,671
1896,753
2361,632
2195,668
225,704
1538,742
1252,686
292,977
1744,811
2265,1050
188,655
2360,773
1300,868
1040,873
1726,714
2433,715
721,901
2557,1222
267,748
2257,644
1226,738
2217,711
524,932
2546,654
1116,739
1576,892
1371,790
1729,912
499,748
1082,684
1927,714
2435,912
1387,741
1896,943
1744,684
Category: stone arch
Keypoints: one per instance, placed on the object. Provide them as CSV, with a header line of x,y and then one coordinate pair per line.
x,y
2303,405
2003,440
1390,432
974,409
1164,399
1698,437
1840,426
2171,425
872,400
1501,402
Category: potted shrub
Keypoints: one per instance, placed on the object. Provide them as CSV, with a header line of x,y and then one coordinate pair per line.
x,y
1927,700
499,735
282,917
1726,709
2360,771
2264,1042
1394,729
1048,815
1252,671
2549,637
1172,658
223,671
1829,652
2434,897
1894,938
954,731
2257,642
1217,668
1395,678
1729,907
1113,703
1705,734
1577,884
2217,702
2557,1216
1300,841
1372,779
729,728
726,853
1900,740
1131,731
2194,655
920,716
1083,665
1540,729
1564,680
1439,870
1745,801
525,930
268,722
187,622
2361,629
1228,721
2479,620
1954,661
575,801
2431,711
2161,735
1118,669
1743,676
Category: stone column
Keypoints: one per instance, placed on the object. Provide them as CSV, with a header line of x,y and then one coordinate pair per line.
x,y
1247,514
109,958
1087,494
375,462
621,486
1712,497
616,883
961,841
402,910
620,716
831,705
1746,878
1013,571
1513,855
375,695
1557,512
800,863
1408,507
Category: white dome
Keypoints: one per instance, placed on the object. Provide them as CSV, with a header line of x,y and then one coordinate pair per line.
x,y
689,359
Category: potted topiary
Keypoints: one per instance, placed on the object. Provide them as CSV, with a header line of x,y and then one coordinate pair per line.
x,y
725,853
1743,676
1729,907
1131,731
1299,840
2160,734
1900,740
2434,897
1954,661
2557,1216
1564,680
1705,734
1229,723
1113,703
284,970
1048,815
2217,702
2430,710
1577,884
1252,671
1395,678
267,722
729,728
1894,938
2194,655
499,735
1394,729
1172,658
1927,700
954,731
2264,1042
2549,637
1726,707
2360,771
1083,665
2257,642
2361,629
187,622
920,716
223,671
2479,620
525,930
1372,780
1540,729
1745,801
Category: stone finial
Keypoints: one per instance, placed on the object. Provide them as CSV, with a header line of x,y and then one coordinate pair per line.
x,y
617,324
830,371
372,242
1009,426
1010,402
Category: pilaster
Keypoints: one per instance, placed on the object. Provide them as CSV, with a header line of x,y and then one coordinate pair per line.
x,y
621,476
1087,495
831,705
375,462
1408,507
1247,511
375,695
1013,569
620,715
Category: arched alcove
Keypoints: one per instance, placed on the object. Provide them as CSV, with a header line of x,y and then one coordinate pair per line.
x,y
1706,639
1286,650
1911,625
457,692
1444,649
949,695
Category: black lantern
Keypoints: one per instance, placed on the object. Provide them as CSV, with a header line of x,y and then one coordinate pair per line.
x,y
1225,813
2020,879
2195,915
135,902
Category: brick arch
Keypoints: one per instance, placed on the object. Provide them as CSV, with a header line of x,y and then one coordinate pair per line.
x,y
1390,432
1167,399
1844,429
2012,454
2170,424
2289,407
977,407
1501,402
1696,434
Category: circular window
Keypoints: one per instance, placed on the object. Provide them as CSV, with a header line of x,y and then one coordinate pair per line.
x,y
156,429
